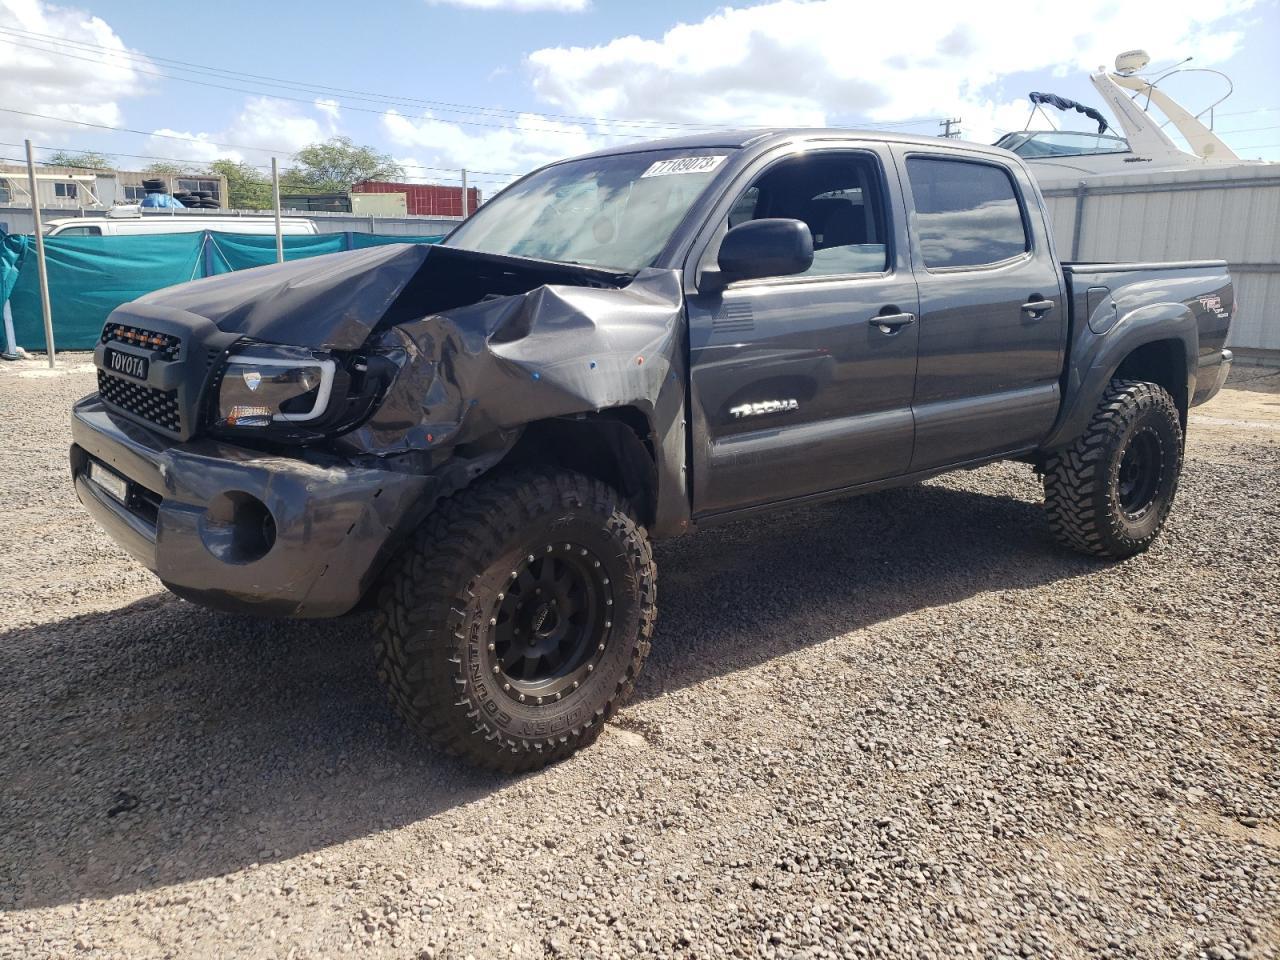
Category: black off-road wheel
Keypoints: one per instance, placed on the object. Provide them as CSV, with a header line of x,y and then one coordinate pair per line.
x,y
516,620
1109,493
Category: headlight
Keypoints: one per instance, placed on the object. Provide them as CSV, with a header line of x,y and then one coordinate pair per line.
x,y
296,395
261,386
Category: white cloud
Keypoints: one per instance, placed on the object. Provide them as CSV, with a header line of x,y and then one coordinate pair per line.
x,y
331,109
264,126
185,145
530,142
81,83
520,6
838,61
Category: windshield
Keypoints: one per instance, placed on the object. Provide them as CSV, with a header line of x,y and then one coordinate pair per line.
x,y
1061,143
616,211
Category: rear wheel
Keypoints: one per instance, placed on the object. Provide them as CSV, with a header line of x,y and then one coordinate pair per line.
x,y
516,620
1109,493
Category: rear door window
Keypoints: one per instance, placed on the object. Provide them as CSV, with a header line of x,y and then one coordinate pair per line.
x,y
966,214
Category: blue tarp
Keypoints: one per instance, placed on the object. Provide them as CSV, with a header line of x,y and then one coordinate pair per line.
x,y
91,276
162,200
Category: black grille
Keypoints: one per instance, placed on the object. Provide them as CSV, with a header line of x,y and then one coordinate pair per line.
x,y
169,346
156,406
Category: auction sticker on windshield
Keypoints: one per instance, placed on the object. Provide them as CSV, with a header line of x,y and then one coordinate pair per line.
x,y
664,168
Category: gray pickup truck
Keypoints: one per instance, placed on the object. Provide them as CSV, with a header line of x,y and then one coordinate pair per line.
x,y
479,439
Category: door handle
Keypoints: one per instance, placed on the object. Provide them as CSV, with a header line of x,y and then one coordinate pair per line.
x,y
892,322
1037,308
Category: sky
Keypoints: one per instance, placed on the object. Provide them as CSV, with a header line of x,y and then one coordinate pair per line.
x,y
501,86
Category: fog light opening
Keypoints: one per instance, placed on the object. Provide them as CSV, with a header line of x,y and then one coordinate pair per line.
x,y
237,527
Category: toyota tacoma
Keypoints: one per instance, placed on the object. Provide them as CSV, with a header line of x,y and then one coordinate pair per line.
x,y
480,439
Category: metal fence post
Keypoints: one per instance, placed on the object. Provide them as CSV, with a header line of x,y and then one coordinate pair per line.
x,y
275,194
464,193
1078,227
40,265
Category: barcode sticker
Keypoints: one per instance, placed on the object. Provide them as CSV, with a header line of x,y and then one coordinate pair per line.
x,y
665,168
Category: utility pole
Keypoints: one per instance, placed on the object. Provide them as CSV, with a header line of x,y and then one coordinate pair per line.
x,y
950,128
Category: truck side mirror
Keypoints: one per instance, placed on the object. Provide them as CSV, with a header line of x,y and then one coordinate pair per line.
x,y
772,247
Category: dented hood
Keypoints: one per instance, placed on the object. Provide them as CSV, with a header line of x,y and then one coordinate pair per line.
x,y
335,301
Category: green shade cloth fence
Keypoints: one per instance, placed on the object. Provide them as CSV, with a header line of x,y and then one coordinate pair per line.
x,y
91,276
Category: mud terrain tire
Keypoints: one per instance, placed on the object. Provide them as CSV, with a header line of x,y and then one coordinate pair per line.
x,y
515,621
1109,493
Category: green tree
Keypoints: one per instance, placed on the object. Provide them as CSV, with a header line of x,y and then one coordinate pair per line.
x,y
164,168
247,188
88,159
335,165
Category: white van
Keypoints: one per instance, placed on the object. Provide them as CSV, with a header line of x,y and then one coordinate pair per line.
x,y
129,221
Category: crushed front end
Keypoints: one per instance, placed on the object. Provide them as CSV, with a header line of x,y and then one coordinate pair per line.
x,y
264,442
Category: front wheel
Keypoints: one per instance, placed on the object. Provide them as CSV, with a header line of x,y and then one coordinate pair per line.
x,y
515,621
1109,493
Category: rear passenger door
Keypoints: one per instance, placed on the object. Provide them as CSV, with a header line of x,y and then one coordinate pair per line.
x,y
992,320
802,384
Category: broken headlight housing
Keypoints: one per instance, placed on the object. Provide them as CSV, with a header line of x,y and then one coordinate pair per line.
x,y
260,387
294,394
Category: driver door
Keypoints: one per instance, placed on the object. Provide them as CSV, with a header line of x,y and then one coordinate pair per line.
x,y
803,384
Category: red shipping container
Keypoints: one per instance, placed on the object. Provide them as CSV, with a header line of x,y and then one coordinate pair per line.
x,y
425,199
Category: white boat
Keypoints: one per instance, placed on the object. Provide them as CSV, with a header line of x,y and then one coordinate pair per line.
x,y
1058,157
1134,194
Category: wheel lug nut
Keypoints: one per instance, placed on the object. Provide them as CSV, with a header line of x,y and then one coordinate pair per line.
x,y
606,581
539,701
583,552
575,684
557,696
493,621
502,596
496,668
590,667
492,647
522,698
567,547
608,624
506,687
608,602
549,548
600,647
531,558
595,563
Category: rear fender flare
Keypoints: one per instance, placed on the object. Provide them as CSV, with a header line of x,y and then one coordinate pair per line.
x,y
1095,358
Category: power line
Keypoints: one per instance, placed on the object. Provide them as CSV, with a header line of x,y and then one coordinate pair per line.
x,y
466,109
310,101
316,88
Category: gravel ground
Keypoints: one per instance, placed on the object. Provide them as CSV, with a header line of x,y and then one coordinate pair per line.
x,y
902,725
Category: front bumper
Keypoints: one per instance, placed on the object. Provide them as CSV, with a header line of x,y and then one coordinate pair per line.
x,y
241,530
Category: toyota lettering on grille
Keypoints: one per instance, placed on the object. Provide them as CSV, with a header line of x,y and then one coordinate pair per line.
x,y
126,363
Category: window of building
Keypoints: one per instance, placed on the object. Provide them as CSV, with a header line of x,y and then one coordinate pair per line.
x,y
65,191
838,195
6,191
135,194
967,214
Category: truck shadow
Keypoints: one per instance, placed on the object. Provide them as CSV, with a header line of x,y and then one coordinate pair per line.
x,y
160,742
